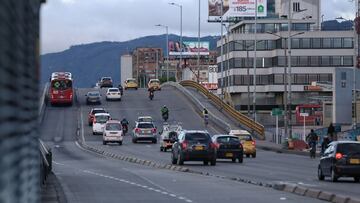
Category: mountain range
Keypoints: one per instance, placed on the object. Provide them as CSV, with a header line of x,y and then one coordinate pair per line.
x,y
89,62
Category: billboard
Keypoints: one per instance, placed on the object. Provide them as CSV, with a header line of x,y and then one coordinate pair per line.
x,y
238,8
189,48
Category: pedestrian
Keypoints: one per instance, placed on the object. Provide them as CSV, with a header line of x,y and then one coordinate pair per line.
x,y
331,132
325,144
312,139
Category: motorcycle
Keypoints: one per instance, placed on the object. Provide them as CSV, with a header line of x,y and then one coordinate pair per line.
x,y
206,119
151,95
121,90
165,116
125,128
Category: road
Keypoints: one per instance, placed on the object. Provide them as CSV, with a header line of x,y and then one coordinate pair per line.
x,y
88,177
267,167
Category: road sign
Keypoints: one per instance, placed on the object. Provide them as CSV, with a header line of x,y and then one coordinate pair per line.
x,y
304,114
277,112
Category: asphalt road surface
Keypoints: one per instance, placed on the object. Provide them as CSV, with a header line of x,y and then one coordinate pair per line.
x,y
266,167
88,177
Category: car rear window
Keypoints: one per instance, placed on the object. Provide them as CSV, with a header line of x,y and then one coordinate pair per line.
x,y
145,119
98,111
197,137
102,119
131,80
228,140
113,90
93,94
245,137
113,126
106,79
145,125
349,148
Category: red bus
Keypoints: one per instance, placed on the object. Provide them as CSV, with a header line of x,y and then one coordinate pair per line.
x,y
61,88
314,111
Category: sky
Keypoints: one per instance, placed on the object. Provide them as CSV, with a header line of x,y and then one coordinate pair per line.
x,y
71,22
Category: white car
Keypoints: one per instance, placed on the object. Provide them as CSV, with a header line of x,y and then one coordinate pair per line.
x,y
113,94
99,123
148,119
113,132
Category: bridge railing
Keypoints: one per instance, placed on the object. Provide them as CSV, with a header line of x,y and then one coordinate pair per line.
x,y
243,120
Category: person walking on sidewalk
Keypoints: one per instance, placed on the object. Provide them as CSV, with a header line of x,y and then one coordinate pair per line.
x,y
312,139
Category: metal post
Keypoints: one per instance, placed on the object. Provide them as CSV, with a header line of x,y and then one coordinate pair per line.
x,y
137,65
248,76
289,69
356,43
227,58
222,52
198,47
255,49
181,43
285,91
167,53
157,63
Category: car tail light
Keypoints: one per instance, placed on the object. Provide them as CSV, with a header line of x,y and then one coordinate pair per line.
x,y
214,146
137,130
184,145
253,143
153,130
338,156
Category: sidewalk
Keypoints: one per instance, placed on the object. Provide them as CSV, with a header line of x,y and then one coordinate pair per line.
x,y
51,191
261,144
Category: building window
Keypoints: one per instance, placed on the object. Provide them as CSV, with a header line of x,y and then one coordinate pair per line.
x,y
326,43
303,61
301,26
316,43
261,45
313,78
296,6
336,60
294,61
348,60
348,43
337,43
325,60
302,79
281,61
314,61
295,43
278,79
305,43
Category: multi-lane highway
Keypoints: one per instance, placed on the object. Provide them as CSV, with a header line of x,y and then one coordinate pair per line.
x,y
87,177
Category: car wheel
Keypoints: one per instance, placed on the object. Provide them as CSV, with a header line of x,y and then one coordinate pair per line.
x,y
173,160
94,133
233,160
320,174
120,143
241,159
180,160
134,140
247,155
154,141
356,179
165,149
334,177
213,162
206,163
161,149
104,143
253,155
90,124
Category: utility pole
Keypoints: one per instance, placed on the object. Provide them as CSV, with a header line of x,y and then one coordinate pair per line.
x,y
222,51
255,59
198,46
289,68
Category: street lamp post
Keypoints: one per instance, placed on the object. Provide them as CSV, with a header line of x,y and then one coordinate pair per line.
x,y
198,46
255,60
167,49
181,37
286,92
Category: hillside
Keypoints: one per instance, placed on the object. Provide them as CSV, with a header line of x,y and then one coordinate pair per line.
x,y
89,62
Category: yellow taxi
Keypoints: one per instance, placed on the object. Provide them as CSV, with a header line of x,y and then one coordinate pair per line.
x,y
131,83
247,141
154,84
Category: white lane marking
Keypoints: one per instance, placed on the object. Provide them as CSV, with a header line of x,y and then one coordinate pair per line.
x,y
283,198
57,163
82,125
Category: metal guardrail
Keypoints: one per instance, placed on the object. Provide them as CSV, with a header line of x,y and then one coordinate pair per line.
x,y
244,121
212,118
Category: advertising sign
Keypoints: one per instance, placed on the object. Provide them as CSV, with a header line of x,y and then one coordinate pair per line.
x,y
189,48
238,8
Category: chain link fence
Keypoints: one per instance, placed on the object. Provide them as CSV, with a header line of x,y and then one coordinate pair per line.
x,y
19,100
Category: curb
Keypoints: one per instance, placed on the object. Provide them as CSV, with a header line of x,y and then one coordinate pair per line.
x,y
314,193
285,151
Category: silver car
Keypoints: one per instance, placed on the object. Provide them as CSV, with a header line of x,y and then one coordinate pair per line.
x,y
93,97
144,131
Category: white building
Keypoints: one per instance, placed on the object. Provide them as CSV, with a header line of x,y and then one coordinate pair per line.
x,y
314,55
126,68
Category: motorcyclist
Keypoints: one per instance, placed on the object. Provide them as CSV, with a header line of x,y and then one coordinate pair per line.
x,y
124,124
151,93
205,115
121,89
312,138
165,112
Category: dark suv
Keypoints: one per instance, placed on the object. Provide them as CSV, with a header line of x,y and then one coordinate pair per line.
x,y
228,147
340,159
194,146
106,82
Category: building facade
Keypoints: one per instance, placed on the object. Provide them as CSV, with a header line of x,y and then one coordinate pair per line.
x,y
126,67
314,55
146,64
